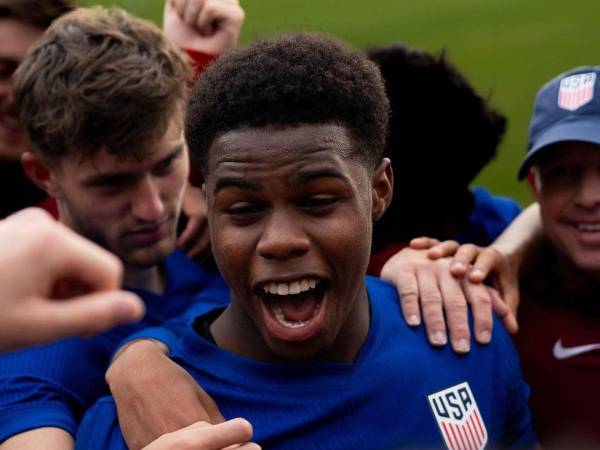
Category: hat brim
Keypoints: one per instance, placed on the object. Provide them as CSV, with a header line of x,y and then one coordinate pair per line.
x,y
580,130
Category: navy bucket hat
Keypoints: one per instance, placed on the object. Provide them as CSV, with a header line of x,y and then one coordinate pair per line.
x,y
567,108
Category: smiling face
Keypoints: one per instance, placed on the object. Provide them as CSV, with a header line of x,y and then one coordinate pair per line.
x,y
290,216
567,187
127,205
16,38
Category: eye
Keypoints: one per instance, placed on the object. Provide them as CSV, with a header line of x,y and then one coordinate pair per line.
x,y
7,68
563,172
244,209
164,166
317,202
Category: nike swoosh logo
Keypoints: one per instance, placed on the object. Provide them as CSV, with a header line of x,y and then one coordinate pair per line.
x,y
561,352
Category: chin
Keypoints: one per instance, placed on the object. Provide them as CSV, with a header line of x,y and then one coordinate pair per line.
x,y
146,258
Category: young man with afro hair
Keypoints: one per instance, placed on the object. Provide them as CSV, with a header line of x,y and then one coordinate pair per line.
x,y
289,134
442,133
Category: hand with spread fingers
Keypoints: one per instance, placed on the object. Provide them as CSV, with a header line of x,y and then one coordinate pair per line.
x,y
208,26
56,284
428,289
474,265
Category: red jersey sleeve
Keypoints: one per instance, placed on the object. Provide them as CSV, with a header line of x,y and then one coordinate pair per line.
x,y
198,61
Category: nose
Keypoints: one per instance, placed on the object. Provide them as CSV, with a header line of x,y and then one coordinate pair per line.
x,y
148,204
588,194
282,238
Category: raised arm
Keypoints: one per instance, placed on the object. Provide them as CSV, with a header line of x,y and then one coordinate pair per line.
x,y
205,29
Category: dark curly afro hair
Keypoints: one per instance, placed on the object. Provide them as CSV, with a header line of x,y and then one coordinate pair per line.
x,y
299,78
438,120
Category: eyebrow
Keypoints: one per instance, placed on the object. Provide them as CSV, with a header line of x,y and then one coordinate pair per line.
x,y
109,178
308,176
240,183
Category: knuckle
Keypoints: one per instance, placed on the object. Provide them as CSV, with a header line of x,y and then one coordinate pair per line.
x,y
409,292
436,323
457,306
431,300
483,300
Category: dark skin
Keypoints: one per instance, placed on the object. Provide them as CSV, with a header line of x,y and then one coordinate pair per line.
x,y
286,205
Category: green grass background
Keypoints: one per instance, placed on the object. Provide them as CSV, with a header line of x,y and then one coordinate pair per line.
x,y
508,48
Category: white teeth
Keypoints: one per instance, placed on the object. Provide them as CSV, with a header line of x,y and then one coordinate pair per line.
x,y
283,289
588,227
293,288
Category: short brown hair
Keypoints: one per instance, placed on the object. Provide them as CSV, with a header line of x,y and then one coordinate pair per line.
x,y
40,13
99,78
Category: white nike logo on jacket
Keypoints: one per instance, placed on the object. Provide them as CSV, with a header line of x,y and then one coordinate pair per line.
x,y
561,352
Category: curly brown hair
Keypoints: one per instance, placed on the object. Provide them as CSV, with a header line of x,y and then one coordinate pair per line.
x,y
99,78
297,78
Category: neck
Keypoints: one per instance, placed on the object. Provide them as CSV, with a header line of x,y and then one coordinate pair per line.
x,y
148,279
578,280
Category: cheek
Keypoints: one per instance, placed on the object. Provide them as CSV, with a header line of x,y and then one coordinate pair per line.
x,y
173,187
232,247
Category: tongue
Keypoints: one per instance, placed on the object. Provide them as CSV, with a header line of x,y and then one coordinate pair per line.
x,y
298,311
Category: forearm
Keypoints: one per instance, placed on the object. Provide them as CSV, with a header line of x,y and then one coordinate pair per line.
x,y
47,438
522,238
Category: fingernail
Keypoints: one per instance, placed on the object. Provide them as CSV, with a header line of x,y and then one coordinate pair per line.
x,y
127,311
462,346
477,272
438,338
485,337
458,265
413,320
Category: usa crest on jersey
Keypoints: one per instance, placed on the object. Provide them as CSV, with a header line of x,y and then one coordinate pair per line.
x,y
576,90
458,417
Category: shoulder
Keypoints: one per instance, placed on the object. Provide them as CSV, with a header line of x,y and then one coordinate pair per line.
x,y
489,204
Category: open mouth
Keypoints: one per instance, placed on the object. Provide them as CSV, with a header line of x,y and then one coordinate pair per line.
x,y
293,310
587,227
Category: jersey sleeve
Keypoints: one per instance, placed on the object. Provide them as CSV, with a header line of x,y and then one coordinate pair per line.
x,y
198,61
99,429
50,386
214,294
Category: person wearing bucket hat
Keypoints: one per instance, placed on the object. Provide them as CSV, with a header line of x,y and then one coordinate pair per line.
x,y
554,247
559,315
559,270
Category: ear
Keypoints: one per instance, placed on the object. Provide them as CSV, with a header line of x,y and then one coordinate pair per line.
x,y
382,187
40,173
533,179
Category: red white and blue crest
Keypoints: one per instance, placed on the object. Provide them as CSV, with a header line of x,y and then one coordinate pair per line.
x,y
458,417
576,90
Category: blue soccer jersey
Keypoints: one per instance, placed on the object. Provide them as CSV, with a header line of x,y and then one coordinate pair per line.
x,y
53,385
400,392
490,216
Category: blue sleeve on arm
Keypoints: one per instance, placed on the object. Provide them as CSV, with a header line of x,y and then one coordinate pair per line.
x,y
50,386
215,294
100,429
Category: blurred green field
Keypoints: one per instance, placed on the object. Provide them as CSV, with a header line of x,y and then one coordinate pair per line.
x,y
508,48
